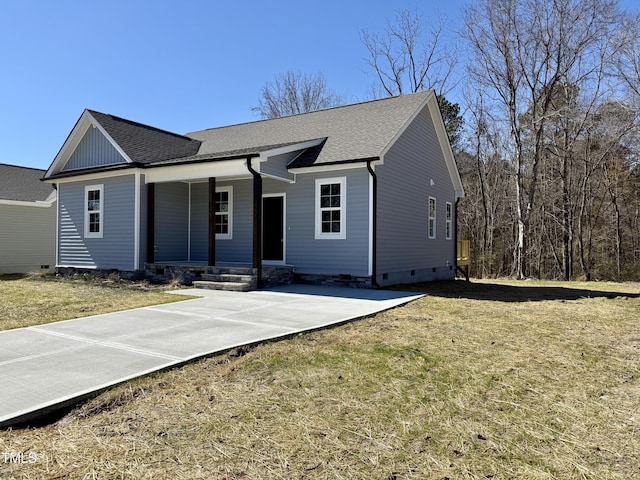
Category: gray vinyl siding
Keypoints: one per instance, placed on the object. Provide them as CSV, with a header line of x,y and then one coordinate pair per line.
x,y
303,251
27,238
94,150
115,250
327,256
171,222
414,169
237,249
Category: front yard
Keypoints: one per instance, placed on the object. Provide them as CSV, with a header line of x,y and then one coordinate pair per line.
x,y
493,379
26,301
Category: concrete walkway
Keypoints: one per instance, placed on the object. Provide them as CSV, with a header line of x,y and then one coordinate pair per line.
x,y
48,367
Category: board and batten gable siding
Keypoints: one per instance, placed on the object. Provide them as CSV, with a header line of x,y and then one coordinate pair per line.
x,y
115,250
309,255
171,222
27,238
414,169
94,150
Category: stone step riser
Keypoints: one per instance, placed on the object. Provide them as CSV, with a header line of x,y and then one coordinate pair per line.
x,y
226,286
229,277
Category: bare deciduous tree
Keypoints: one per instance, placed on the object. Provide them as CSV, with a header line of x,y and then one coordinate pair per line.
x,y
292,93
524,52
410,56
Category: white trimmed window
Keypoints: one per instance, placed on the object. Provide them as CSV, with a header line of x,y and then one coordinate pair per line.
x,y
331,195
93,213
449,225
224,213
432,217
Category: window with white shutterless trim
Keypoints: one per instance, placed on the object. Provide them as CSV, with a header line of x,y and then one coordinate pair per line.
x,y
449,224
224,213
331,195
93,212
432,217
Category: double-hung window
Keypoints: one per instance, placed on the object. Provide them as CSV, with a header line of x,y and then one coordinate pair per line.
x,y
224,212
93,214
432,217
449,225
331,194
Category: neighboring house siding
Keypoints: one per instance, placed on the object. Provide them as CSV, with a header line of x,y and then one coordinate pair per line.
x,y
334,256
27,238
115,250
413,163
94,150
171,222
143,222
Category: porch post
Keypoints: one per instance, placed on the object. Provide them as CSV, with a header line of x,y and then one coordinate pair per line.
x,y
151,221
257,221
211,258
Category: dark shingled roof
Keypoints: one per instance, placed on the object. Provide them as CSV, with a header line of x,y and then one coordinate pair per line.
x,y
350,133
23,184
145,144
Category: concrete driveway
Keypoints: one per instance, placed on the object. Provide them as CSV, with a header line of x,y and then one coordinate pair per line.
x,y
48,367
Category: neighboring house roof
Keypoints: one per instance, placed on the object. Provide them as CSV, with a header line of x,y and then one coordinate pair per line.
x,y
354,132
22,184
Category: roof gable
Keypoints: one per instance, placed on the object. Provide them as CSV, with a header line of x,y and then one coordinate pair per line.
x,y
22,184
127,143
94,150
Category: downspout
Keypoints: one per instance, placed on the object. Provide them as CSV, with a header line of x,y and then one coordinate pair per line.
x,y
455,237
257,221
374,224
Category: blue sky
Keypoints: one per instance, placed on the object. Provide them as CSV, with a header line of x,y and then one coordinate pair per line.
x,y
178,65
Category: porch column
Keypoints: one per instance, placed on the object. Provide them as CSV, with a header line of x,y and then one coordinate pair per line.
x,y
257,221
151,222
211,257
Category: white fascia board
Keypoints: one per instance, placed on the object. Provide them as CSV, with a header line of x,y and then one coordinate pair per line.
x,y
445,146
332,167
88,177
195,171
83,124
22,203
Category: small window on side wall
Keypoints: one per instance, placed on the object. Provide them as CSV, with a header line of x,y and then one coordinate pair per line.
x,y
331,194
432,217
94,209
449,225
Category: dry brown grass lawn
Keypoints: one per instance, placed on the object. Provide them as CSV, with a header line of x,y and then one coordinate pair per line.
x,y
495,379
26,301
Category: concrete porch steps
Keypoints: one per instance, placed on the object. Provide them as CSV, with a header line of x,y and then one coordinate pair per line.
x,y
233,279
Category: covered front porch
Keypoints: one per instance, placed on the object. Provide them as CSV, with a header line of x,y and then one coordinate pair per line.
x,y
218,228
